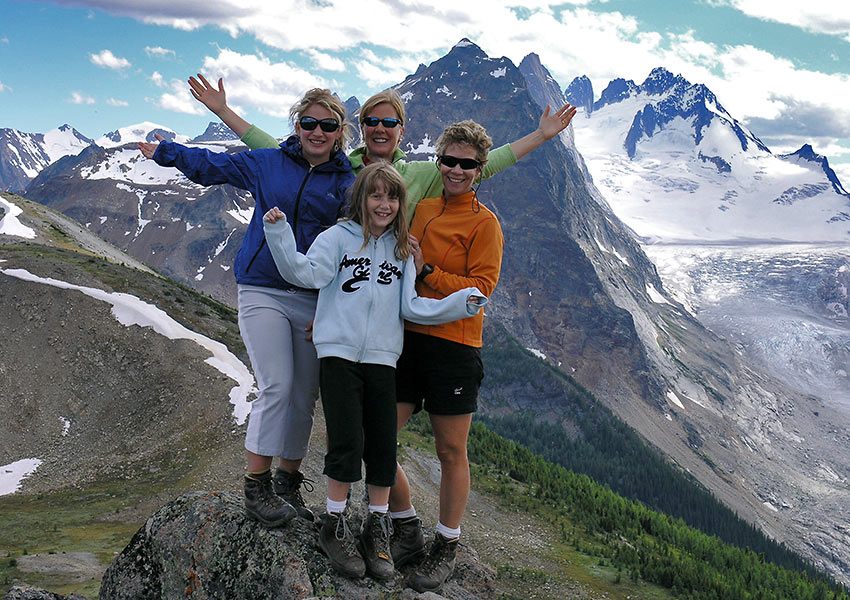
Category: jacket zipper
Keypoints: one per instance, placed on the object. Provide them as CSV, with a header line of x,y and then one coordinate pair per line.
x,y
373,278
294,222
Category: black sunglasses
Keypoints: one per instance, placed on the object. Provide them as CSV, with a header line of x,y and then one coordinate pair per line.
x,y
388,123
467,164
310,123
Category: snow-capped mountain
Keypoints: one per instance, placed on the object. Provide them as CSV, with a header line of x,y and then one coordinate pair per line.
x,y
677,167
141,132
24,155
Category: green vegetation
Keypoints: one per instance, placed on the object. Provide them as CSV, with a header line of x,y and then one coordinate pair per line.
x,y
639,542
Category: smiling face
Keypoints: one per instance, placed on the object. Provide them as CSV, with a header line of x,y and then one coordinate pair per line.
x,y
457,181
381,141
317,145
381,209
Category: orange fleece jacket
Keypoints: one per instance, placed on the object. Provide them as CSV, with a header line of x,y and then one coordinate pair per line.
x,y
464,242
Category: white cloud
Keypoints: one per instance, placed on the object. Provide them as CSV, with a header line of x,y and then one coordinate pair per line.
x,y
325,61
78,98
158,79
116,102
159,52
830,17
3,88
255,81
178,98
108,60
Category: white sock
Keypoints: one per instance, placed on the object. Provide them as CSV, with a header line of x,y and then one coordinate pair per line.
x,y
404,514
335,507
379,508
448,532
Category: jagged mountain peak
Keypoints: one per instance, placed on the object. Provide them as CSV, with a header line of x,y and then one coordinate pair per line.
x,y
660,80
216,132
580,93
807,154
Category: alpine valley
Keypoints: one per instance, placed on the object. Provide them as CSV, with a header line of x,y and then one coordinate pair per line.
x,y
657,252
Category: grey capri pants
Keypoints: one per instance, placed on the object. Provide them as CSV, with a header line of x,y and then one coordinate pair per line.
x,y
272,323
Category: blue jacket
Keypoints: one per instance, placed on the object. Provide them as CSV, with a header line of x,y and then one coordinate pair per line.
x,y
275,177
365,292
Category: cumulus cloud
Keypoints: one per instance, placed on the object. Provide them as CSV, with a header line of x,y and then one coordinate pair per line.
x,y
3,88
178,98
325,61
108,60
256,81
116,102
159,52
824,16
80,98
157,79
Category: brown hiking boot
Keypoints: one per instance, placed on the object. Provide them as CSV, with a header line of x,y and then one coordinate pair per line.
x,y
407,544
375,545
340,545
288,486
437,567
263,505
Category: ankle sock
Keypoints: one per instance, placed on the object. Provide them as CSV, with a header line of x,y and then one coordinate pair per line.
x,y
259,475
336,507
381,508
404,514
448,532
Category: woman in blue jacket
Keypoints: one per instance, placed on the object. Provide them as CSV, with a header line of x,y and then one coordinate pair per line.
x,y
307,176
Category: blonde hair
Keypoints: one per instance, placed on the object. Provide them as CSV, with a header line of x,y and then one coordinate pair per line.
x,y
366,183
390,97
327,99
466,132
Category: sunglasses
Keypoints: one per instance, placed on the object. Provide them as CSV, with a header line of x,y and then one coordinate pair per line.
x,y
388,123
467,164
310,123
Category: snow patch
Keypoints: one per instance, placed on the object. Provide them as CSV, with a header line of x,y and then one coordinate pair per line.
x,y
655,295
10,224
537,353
13,474
674,399
499,72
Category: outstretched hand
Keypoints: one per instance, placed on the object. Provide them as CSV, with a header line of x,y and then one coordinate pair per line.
x,y
214,99
554,123
148,148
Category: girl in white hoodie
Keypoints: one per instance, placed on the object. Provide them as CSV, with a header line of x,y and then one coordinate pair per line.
x,y
364,270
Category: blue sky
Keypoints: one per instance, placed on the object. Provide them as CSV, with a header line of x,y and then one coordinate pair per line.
x,y
781,68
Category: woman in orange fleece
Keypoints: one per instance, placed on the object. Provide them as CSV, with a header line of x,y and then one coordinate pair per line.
x,y
459,245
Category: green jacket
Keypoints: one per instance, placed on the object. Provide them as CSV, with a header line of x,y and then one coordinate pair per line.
x,y
421,177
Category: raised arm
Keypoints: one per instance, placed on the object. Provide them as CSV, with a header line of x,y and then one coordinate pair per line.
x,y
215,99
551,124
314,270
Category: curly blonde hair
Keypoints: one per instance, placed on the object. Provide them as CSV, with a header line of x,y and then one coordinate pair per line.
x,y
466,132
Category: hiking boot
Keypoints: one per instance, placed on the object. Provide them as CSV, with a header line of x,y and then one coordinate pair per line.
x,y
288,486
375,545
407,544
437,567
263,505
339,544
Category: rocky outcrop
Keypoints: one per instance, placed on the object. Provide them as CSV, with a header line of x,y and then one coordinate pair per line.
x,y
202,546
